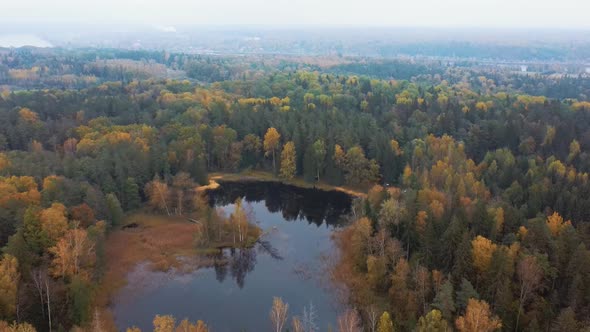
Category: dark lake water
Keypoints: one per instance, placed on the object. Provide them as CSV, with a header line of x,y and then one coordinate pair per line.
x,y
237,296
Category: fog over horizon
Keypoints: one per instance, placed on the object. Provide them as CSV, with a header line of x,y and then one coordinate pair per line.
x,y
551,14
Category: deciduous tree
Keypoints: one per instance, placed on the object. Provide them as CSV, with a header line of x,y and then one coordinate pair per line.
x,y
288,161
278,314
9,280
385,323
349,321
271,144
478,318
433,322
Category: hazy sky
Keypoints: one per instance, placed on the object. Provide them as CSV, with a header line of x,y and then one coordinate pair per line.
x,y
453,13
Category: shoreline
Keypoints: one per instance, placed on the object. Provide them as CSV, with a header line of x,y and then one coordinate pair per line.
x,y
263,176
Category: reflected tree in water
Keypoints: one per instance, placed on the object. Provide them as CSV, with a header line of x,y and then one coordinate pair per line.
x,y
242,261
315,206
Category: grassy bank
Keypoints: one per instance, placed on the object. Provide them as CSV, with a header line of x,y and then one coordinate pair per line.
x,y
268,176
159,240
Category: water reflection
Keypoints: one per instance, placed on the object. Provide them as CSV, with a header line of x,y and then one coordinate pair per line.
x,y
294,203
240,262
235,291
315,206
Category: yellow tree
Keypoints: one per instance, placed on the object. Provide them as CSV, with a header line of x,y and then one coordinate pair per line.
x,y
574,151
271,144
433,322
278,314
186,326
339,156
158,194
240,220
54,222
72,251
385,323
297,325
164,323
16,327
4,162
9,278
482,251
478,318
288,162
556,224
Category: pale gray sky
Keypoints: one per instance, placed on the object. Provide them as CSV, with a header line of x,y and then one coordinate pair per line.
x,y
428,13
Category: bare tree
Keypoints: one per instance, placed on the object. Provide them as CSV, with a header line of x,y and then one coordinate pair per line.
x,y
297,325
309,318
530,275
96,325
372,317
38,276
48,303
278,314
349,321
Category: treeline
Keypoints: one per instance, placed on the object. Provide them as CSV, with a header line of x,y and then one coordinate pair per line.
x,y
443,241
477,184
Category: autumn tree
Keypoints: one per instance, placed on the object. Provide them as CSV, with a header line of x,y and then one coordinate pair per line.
x,y
392,213
574,151
278,314
358,169
403,298
165,323
182,192
186,326
482,250
53,189
16,327
349,321
9,280
239,220
271,144
288,161
4,162
297,325
385,323
478,318
339,156
54,221
83,214
566,321
158,195
71,253
555,223
433,322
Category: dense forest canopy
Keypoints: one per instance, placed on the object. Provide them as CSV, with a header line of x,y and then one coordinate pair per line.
x,y
478,193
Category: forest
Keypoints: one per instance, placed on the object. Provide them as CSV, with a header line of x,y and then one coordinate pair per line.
x,y
476,194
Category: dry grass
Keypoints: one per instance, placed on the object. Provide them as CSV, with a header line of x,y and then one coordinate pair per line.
x,y
268,176
160,240
212,185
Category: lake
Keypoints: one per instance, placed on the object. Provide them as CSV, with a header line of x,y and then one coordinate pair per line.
x,y
236,293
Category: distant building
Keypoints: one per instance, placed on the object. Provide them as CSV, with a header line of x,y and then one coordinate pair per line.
x,y
523,68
